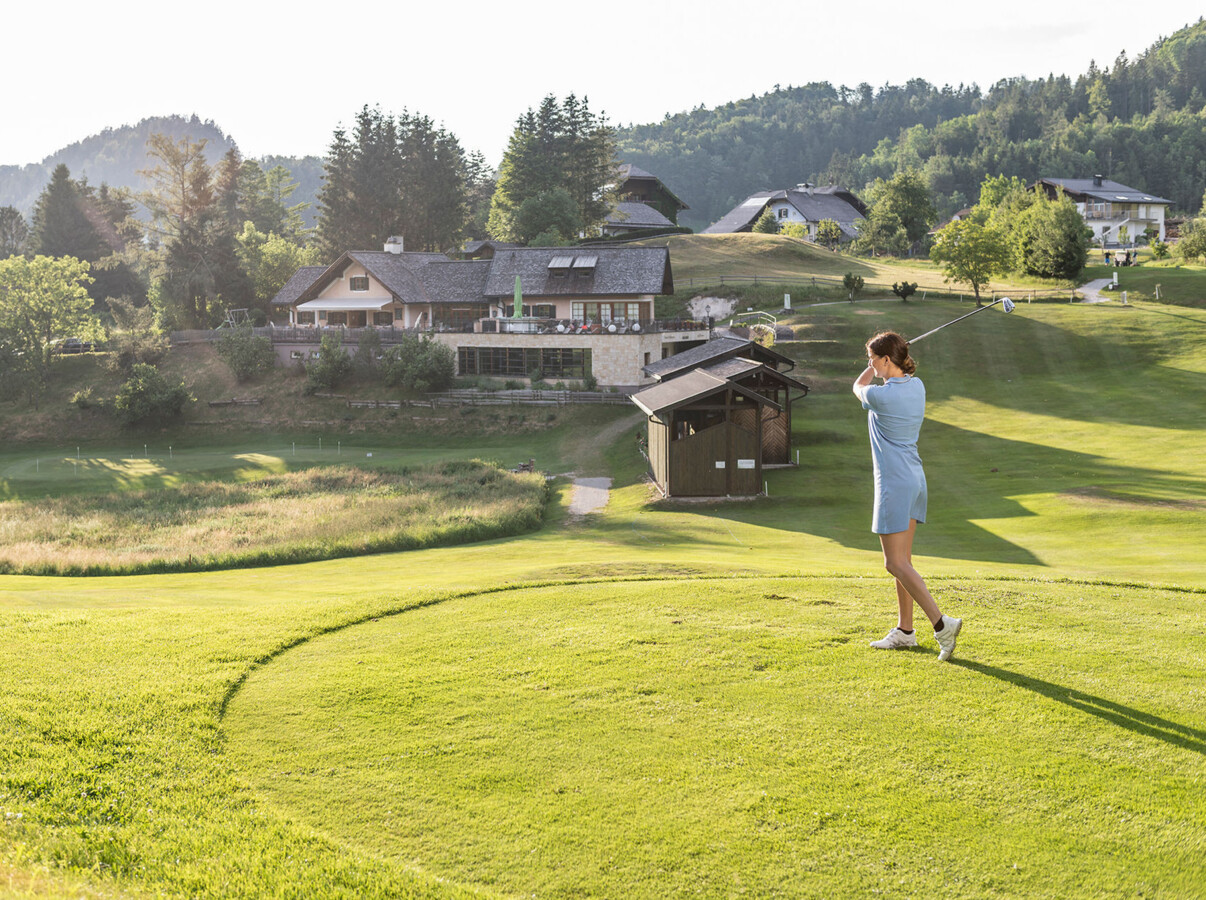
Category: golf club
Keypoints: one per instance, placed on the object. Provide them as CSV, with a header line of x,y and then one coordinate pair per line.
x,y
1006,304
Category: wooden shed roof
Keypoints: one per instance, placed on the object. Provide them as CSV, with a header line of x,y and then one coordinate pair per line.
x,y
688,388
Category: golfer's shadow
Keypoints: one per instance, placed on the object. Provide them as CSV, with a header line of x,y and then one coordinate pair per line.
x,y
1115,713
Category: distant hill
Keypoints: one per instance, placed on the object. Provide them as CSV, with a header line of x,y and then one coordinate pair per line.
x,y
116,155
1138,122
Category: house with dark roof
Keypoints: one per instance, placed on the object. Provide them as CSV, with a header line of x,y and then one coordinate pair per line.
x,y
805,204
582,313
643,203
1109,207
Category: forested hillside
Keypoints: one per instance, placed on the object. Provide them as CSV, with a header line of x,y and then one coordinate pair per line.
x,y
116,156
1140,122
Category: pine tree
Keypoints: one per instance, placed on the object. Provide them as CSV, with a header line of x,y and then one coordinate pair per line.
x,y
559,146
61,225
393,176
198,273
14,233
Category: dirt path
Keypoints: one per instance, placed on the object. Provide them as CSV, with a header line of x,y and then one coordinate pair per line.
x,y
589,494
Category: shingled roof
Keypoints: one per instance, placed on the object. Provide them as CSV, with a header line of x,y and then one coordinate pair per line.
x,y
740,367
434,278
618,271
298,284
695,385
1107,190
637,215
714,351
814,205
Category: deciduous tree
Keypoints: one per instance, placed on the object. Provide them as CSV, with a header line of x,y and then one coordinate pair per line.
x,y
41,299
829,233
971,252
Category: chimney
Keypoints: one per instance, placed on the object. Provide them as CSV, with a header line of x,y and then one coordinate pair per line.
x,y
1096,181
394,244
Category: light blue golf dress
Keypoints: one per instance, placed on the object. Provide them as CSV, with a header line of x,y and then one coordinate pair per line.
x,y
896,409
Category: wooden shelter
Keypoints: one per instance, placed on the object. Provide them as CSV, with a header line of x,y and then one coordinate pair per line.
x,y
776,387
705,435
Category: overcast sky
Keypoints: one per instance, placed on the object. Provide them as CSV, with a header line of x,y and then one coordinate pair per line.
x,y
280,80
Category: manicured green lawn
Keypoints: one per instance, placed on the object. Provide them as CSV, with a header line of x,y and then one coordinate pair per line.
x,y
256,732
675,738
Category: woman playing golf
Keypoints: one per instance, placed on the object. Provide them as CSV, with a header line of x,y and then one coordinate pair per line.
x,y
895,410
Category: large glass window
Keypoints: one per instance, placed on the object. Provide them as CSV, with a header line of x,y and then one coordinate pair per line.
x,y
305,317
383,318
523,362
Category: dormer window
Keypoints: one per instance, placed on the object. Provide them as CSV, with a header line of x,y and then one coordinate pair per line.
x,y
584,266
358,283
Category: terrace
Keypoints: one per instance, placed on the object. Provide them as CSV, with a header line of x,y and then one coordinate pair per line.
x,y
392,334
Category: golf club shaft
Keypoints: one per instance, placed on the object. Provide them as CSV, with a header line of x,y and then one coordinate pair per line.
x,y
953,321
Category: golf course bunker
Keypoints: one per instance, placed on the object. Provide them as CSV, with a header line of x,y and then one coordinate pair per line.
x,y
705,736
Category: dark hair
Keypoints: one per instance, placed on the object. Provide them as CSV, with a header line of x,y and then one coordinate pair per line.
x,y
896,348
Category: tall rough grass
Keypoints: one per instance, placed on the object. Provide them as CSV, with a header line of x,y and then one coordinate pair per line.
x,y
313,514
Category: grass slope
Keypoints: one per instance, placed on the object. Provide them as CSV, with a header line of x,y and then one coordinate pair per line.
x,y
703,259
216,734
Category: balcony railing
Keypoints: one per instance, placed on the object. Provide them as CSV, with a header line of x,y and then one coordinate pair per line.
x,y
312,334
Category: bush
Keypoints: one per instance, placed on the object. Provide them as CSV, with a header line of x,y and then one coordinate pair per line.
x,y
246,354
904,290
590,383
135,338
796,230
85,399
148,396
331,367
420,365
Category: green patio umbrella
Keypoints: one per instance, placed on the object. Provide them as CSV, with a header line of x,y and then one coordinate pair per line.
x,y
518,312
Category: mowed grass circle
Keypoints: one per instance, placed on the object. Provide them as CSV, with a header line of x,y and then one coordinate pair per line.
x,y
737,736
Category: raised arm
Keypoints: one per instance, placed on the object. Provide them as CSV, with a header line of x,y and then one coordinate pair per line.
x,y
863,381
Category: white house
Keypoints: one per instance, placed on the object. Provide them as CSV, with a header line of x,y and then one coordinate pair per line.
x,y
1108,207
805,203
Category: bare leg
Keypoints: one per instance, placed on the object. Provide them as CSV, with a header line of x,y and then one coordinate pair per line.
x,y
904,604
898,560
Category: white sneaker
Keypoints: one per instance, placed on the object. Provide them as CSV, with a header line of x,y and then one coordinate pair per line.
x,y
895,640
947,636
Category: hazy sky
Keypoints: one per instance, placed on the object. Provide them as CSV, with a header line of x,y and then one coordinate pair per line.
x,y
280,80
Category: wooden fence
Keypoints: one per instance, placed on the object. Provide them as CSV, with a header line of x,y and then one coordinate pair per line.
x,y
818,283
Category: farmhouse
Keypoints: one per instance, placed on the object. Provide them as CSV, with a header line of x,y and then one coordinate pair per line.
x,y
719,413
643,204
583,313
805,203
1118,214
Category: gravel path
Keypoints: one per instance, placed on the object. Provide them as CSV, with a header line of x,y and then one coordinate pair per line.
x,y
589,495
1092,289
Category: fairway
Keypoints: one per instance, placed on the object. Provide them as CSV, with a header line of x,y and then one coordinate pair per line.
x,y
658,698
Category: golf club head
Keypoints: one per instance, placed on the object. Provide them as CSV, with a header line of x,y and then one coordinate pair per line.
x,y
1007,304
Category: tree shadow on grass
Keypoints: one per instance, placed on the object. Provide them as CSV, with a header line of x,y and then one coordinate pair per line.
x,y
1172,733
